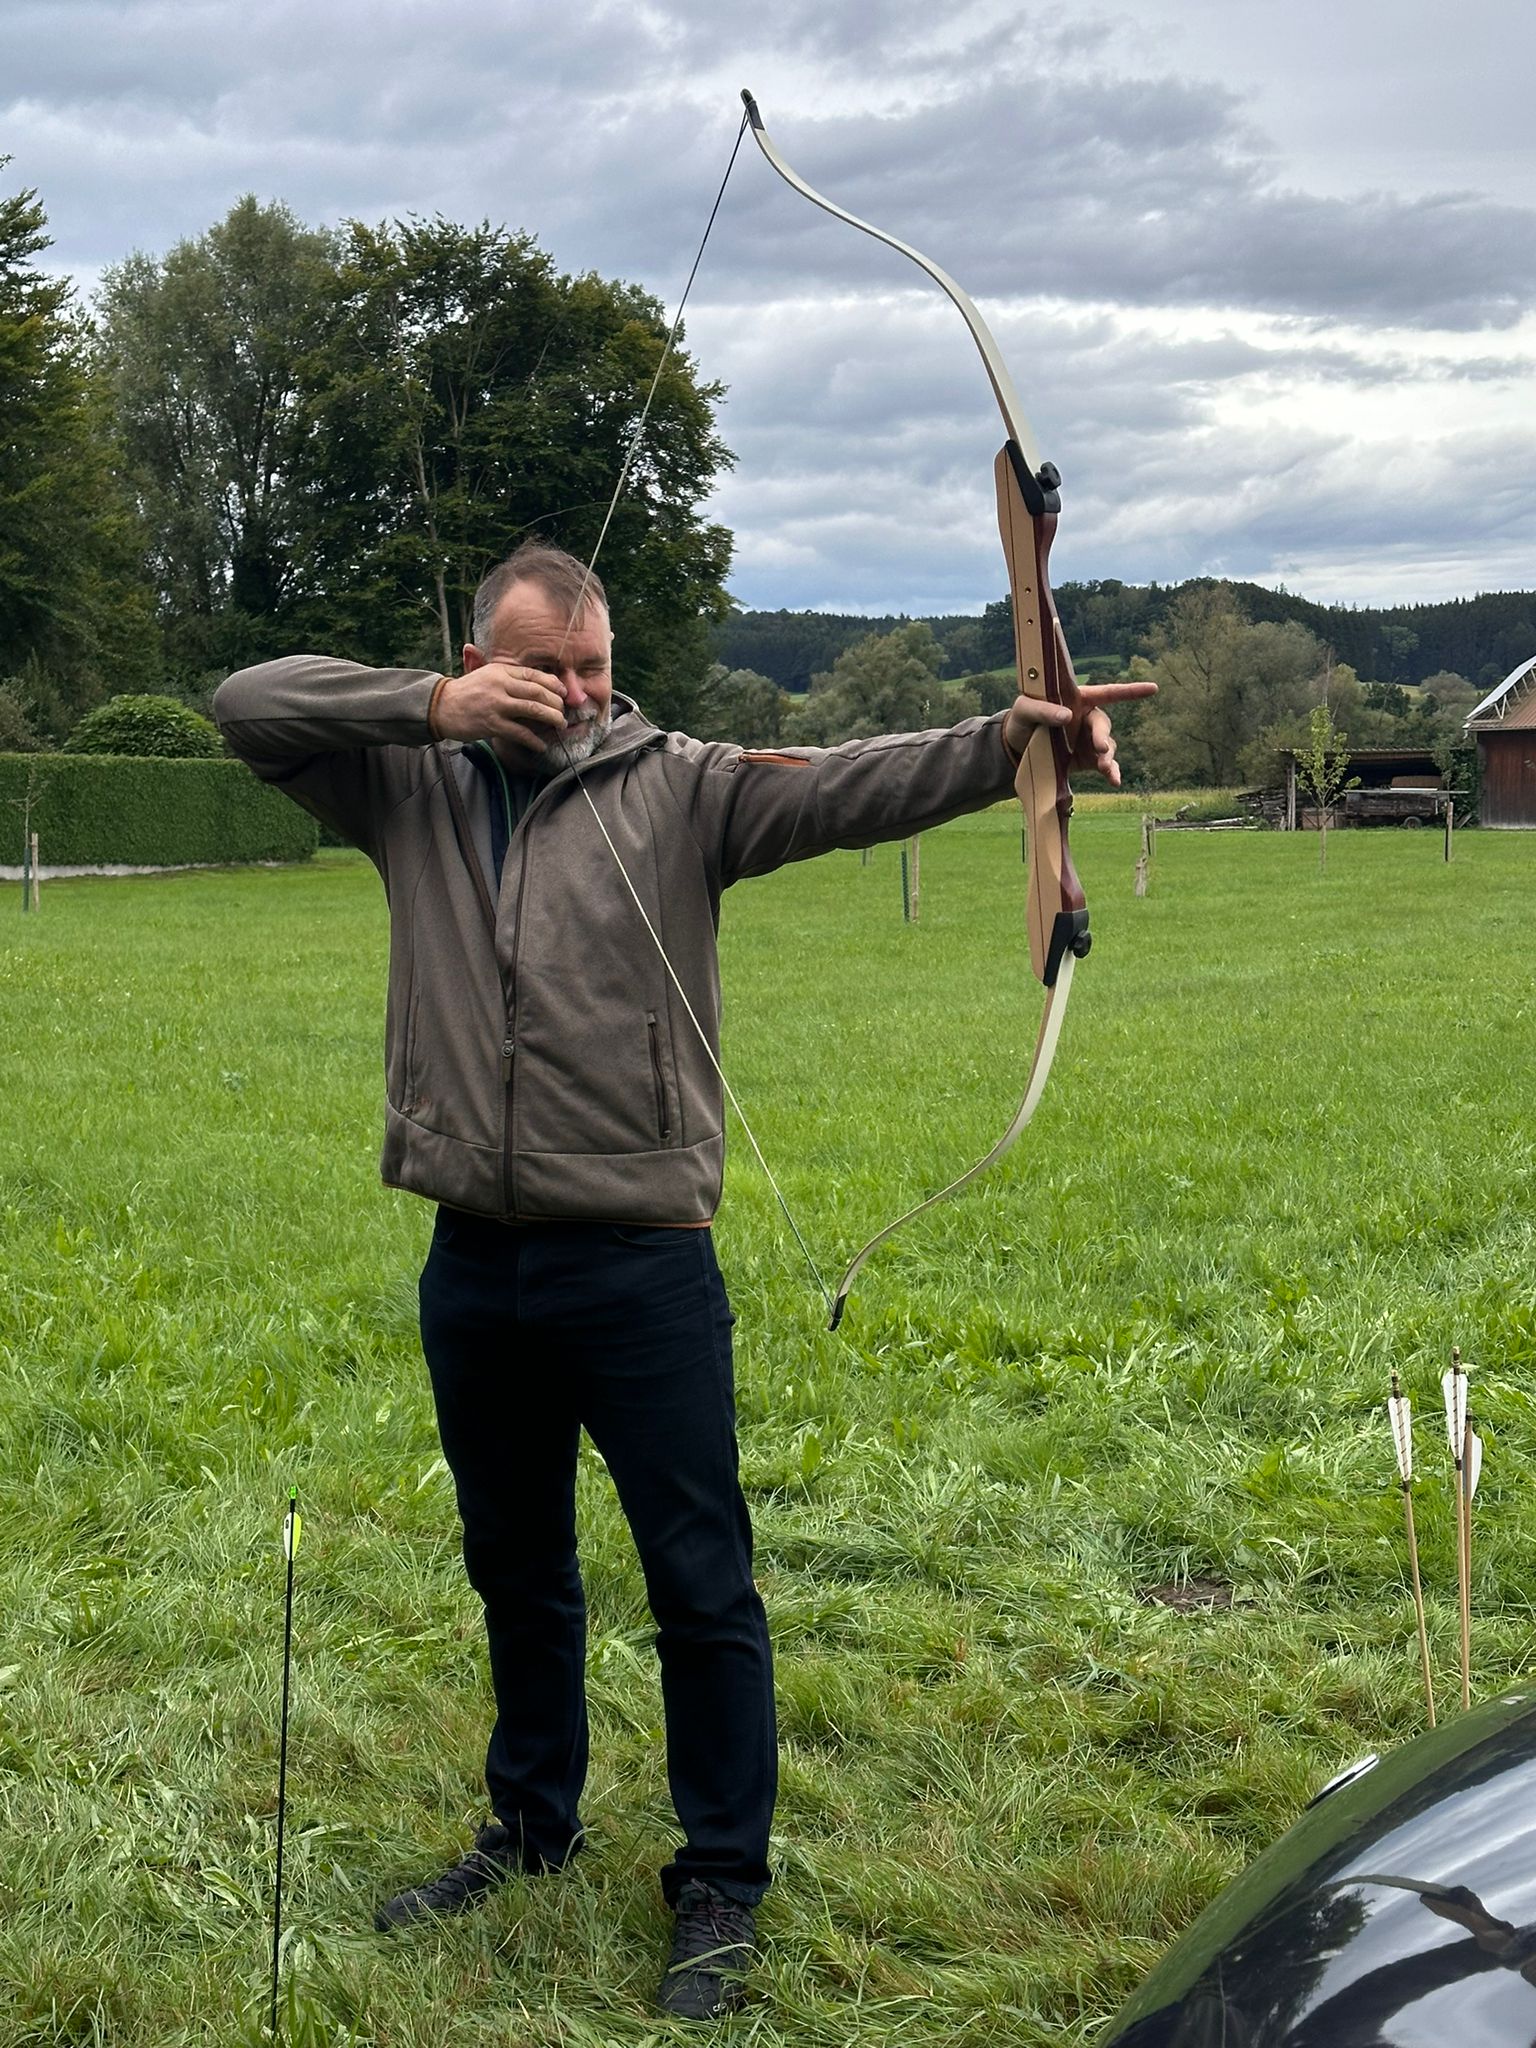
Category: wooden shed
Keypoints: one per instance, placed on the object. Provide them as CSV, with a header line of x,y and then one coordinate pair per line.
x,y
1388,777
1504,726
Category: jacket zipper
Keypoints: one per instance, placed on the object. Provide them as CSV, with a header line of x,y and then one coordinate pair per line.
x,y
508,1044
663,1118
471,861
506,792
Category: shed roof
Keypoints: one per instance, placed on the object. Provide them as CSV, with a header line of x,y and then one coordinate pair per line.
x,y
1511,705
1401,760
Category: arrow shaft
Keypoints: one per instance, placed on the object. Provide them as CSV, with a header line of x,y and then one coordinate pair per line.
x,y
1418,1605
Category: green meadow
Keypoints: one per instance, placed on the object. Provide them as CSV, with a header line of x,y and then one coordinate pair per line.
x,y
1288,1143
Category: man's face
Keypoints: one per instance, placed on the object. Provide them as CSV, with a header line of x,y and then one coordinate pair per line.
x,y
531,630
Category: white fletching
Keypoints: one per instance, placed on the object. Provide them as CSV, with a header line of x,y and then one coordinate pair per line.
x,y
1400,1415
1453,1385
1474,1464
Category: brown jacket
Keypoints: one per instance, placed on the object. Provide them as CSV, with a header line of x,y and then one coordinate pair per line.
x,y
538,1061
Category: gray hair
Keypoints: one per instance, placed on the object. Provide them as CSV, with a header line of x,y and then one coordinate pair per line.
x,y
560,576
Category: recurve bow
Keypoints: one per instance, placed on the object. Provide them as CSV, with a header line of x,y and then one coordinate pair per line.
x,y
1028,503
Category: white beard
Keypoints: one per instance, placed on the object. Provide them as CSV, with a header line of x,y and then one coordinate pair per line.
x,y
583,737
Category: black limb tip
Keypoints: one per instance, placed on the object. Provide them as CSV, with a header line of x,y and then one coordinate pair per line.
x,y
1069,934
1041,492
837,1311
751,106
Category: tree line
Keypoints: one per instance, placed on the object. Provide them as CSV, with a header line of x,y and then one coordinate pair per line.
x,y
1234,694
1107,623
277,437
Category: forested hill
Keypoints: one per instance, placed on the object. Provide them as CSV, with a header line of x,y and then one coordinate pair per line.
x,y
1482,637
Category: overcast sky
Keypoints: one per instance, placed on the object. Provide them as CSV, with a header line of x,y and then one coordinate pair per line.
x,y
1265,276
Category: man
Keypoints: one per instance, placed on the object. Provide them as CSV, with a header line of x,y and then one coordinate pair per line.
x,y
549,1090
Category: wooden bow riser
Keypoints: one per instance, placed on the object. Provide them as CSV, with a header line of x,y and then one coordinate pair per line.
x,y
1057,910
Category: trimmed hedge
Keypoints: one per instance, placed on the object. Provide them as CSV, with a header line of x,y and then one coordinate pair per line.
x,y
108,809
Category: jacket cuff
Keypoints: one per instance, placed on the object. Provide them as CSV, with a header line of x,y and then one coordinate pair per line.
x,y
437,692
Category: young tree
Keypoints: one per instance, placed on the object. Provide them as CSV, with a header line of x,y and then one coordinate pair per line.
x,y
72,597
1322,769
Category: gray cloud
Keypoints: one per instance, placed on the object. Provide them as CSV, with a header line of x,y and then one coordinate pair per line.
x,y
1235,369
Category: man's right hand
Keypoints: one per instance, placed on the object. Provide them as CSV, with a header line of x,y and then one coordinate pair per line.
x,y
500,701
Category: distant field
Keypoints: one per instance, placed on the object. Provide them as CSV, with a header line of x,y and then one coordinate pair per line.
x,y
1288,1141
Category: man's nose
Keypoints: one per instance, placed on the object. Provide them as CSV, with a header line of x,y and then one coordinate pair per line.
x,y
571,689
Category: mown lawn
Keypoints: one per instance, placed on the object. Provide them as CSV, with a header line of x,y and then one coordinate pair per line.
x,y
1289,1141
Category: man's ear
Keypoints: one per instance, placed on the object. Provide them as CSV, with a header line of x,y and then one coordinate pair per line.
x,y
473,658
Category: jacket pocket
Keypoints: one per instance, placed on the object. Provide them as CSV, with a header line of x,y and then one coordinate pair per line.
x,y
409,1089
658,1076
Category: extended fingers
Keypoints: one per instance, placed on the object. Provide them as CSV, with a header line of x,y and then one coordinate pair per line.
x,y
1113,693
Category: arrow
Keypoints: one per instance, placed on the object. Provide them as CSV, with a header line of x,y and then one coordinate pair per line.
x,y
1400,1415
1467,1456
292,1525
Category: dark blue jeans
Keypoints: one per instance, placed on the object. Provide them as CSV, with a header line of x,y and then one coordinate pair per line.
x,y
531,1334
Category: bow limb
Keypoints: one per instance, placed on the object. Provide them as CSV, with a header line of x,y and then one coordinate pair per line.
x,y
1027,506
1051,1018
1018,426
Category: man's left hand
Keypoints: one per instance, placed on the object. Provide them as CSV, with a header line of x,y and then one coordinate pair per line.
x,y
1090,741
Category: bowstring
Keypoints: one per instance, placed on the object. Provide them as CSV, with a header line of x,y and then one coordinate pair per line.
x,y
576,610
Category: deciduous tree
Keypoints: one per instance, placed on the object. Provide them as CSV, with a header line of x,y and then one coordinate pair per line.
x,y
740,705
467,396
887,682
1220,681
73,602
201,349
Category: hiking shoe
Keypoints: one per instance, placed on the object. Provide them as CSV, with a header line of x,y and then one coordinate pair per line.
x,y
710,1953
490,1863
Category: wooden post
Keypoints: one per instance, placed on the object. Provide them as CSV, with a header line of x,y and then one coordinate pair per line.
x,y
864,852
1144,858
917,874
26,871
1450,823
906,890
1290,794
37,901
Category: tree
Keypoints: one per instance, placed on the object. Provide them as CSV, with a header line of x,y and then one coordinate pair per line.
x,y
163,727
994,693
201,351
466,396
72,596
16,734
740,705
1321,770
887,682
1396,641
1220,681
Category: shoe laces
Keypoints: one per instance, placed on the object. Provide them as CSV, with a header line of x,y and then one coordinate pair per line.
x,y
709,1925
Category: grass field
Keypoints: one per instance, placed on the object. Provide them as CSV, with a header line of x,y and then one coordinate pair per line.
x,y
1288,1141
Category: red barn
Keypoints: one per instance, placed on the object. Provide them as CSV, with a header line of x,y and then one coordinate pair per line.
x,y
1504,726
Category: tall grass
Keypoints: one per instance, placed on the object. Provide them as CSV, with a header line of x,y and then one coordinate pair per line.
x,y
1288,1140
